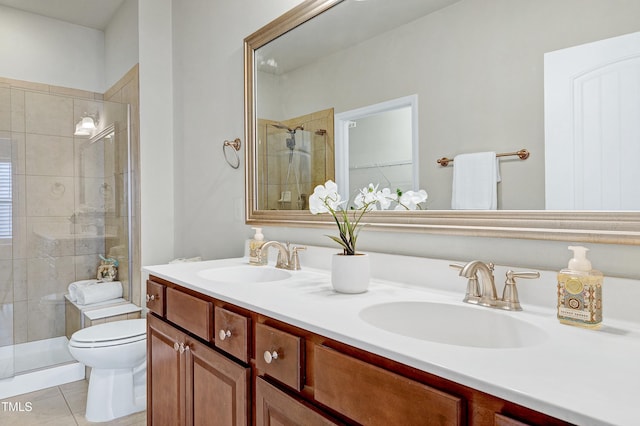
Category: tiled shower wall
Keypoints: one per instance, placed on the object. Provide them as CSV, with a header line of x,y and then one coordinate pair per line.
x,y
45,254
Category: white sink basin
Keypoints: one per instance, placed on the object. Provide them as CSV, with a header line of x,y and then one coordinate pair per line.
x,y
245,274
471,326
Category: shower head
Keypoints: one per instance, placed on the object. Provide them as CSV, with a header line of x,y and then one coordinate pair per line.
x,y
288,129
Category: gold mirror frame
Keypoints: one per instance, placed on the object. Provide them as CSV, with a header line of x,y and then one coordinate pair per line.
x,y
608,227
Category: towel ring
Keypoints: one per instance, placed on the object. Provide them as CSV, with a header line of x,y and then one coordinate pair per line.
x,y
233,147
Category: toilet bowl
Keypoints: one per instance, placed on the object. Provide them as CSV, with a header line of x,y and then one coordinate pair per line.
x,y
116,352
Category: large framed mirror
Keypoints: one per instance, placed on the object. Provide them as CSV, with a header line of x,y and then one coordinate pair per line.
x,y
479,71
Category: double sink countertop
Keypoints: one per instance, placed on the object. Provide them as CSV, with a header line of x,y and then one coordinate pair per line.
x,y
578,375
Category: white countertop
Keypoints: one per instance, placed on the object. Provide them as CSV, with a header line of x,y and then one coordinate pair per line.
x,y
581,376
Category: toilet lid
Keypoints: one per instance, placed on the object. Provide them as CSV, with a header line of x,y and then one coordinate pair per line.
x,y
111,333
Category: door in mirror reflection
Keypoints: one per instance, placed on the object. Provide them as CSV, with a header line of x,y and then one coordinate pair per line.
x,y
592,125
378,144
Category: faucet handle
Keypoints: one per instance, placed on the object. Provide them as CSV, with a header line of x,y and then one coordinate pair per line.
x,y
510,300
295,259
524,274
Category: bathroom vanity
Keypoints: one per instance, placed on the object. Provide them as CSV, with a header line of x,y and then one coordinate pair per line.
x,y
206,356
289,349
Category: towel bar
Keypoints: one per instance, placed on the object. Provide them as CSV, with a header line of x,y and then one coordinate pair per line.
x,y
523,154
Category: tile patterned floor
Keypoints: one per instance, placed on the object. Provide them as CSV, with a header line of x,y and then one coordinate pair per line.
x,y
57,406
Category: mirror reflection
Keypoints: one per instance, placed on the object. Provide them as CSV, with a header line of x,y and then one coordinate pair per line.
x,y
476,67
378,144
293,156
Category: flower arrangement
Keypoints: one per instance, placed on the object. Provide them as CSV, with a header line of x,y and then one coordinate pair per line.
x,y
326,199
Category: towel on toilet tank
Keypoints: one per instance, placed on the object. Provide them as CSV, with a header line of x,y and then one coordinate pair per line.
x,y
99,292
74,286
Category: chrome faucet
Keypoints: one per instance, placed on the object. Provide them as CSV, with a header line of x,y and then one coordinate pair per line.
x,y
487,295
287,256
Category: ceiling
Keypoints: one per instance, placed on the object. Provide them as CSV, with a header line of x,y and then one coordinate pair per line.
x,y
88,13
344,25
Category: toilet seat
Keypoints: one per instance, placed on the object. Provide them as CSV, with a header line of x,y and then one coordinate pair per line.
x,y
110,334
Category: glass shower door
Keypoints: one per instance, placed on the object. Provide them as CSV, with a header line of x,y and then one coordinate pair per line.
x,y
7,365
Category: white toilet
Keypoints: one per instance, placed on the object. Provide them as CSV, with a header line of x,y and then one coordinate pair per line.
x,y
116,352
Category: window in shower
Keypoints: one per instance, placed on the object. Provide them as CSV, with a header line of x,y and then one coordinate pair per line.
x,y
5,200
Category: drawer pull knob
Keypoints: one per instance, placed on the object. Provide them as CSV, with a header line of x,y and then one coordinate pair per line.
x,y
151,297
224,334
270,356
176,346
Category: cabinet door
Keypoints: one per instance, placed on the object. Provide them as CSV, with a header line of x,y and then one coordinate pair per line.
x,y
274,407
218,388
165,375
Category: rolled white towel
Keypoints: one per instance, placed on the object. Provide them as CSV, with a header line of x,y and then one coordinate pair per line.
x,y
74,286
99,292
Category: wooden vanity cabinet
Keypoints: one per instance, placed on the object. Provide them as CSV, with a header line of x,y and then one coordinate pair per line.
x,y
197,374
188,381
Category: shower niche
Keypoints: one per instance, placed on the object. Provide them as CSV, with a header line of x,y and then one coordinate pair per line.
x,y
293,156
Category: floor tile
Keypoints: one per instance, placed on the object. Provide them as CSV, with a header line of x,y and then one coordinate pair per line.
x,y
47,406
57,406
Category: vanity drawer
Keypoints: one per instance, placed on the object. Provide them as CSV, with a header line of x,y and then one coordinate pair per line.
x,y
279,355
155,297
189,312
232,333
274,407
373,396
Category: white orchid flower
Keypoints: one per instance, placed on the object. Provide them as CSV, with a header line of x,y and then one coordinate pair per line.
x,y
367,197
385,197
409,200
325,198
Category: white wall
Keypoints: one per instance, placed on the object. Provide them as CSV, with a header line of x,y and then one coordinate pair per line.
x,y
43,50
121,42
208,83
208,96
156,132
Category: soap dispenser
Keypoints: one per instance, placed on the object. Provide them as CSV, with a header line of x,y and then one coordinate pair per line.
x,y
254,245
580,291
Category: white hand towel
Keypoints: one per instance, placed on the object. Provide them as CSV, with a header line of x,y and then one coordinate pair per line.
x,y
475,178
74,286
99,292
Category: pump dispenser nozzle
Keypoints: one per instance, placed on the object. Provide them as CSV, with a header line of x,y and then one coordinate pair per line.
x,y
579,262
258,236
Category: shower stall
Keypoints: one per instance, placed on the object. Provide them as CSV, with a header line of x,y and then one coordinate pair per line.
x,y
64,202
292,157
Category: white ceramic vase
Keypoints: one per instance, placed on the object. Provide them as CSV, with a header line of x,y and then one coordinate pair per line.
x,y
350,274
